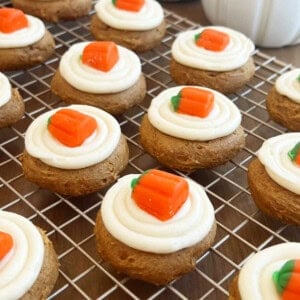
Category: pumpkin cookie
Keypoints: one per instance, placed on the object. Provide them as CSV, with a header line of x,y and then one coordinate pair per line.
x,y
147,239
137,25
215,57
74,151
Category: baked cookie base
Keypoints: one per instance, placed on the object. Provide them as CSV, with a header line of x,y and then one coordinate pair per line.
x,y
154,268
283,110
234,293
54,10
270,197
188,155
139,41
48,274
79,181
24,57
13,110
224,82
116,103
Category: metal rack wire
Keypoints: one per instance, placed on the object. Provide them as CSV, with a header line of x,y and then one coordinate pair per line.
x,y
242,229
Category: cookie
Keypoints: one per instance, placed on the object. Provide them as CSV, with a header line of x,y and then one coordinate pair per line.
x,y
30,264
283,100
26,46
159,247
54,10
114,91
11,103
50,161
186,142
271,272
273,179
139,30
195,61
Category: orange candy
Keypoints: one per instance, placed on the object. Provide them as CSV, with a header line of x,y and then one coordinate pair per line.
x,y
71,127
6,244
101,55
12,19
130,5
159,193
212,40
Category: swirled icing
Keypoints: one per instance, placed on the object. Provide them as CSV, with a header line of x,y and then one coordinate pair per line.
x,y
123,75
149,17
41,144
140,230
273,154
5,89
21,266
288,85
24,37
235,55
224,118
255,278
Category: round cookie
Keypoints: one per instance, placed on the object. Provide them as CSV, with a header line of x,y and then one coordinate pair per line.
x,y
264,274
224,70
25,47
78,170
137,30
114,91
273,179
54,10
146,247
11,103
18,278
187,143
283,100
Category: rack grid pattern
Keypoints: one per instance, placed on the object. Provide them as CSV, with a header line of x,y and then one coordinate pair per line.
x,y
242,229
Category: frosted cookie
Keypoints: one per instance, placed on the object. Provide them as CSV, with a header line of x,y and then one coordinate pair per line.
x,y
154,226
283,101
28,262
101,74
274,178
188,128
75,150
54,10
138,25
11,103
24,40
216,57
272,273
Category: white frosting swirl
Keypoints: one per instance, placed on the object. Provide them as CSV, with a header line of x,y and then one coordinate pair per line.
x,y
5,89
140,230
123,75
20,268
255,279
235,55
288,85
149,17
41,144
23,37
224,118
273,154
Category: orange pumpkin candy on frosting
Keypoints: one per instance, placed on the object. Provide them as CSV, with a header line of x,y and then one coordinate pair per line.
x,y
12,19
130,5
6,244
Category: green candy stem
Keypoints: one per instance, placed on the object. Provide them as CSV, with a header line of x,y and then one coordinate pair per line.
x,y
175,100
298,78
294,152
135,181
281,277
114,2
197,36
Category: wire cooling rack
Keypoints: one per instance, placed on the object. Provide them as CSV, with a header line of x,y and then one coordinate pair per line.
x,y
242,229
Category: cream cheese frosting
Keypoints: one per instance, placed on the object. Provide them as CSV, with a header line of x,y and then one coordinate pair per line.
x,y
224,118
149,17
288,85
140,230
255,278
21,266
5,89
273,154
41,144
123,75
236,54
24,37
